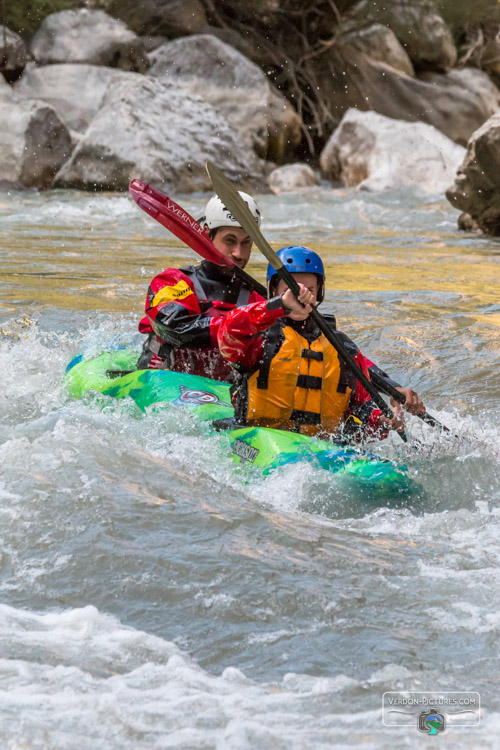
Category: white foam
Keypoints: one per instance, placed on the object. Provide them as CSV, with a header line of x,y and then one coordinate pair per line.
x,y
80,676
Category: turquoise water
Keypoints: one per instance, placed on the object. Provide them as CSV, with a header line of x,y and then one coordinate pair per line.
x,y
148,597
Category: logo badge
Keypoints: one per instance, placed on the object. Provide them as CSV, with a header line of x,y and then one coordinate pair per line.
x,y
431,722
197,398
245,451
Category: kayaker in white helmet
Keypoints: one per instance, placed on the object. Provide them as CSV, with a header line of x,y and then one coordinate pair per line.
x,y
185,306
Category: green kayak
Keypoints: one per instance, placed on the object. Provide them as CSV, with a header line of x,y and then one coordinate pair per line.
x,y
209,400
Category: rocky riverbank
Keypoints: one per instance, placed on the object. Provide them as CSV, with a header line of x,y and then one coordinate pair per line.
x,y
373,95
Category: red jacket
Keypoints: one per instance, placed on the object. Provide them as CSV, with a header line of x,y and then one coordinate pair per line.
x,y
184,310
241,342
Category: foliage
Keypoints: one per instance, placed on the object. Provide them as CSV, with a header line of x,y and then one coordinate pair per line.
x,y
286,40
25,16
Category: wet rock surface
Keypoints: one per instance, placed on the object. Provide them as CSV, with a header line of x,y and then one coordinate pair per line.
x,y
155,130
75,91
291,177
169,18
88,36
375,153
420,29
453,103
476,190
236,87
280,78
13,54
380,43
34,143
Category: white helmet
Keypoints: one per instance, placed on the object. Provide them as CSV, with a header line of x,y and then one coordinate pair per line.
x,y
217,215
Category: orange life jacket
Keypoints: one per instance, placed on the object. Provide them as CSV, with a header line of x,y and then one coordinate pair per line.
x,y
302,386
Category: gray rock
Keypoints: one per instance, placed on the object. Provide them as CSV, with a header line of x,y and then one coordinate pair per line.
x,y
237,89
88,36
291,177
475,95
155,131
375,153
244,43
7,186
34,143
418,26
381,43
455,103
476,189
467,224
170,18
13,54
74,90
150,43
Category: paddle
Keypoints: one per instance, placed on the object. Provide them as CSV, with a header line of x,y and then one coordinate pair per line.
x,y
174,218
232,199
178,221
389,389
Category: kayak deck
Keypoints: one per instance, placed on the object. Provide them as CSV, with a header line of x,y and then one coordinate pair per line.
x,y
208,400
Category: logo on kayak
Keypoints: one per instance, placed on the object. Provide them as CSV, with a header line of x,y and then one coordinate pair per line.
x,y
244,451
197,398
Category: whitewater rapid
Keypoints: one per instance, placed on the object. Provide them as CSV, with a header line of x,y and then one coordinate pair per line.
x,y
149,598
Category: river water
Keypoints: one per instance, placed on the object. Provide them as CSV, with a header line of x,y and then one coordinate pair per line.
x,y
151,599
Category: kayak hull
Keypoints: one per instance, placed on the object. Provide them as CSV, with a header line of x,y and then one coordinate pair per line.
x,y
208,400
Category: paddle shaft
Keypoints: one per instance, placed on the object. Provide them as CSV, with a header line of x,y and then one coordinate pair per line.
x,y
389,389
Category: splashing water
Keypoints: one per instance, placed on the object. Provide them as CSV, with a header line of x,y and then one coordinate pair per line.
x,y
153,599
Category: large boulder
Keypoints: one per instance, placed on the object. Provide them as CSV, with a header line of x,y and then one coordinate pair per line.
x,y
380,43
476,189
456,103
375,153
169,18
34,143
88,36
418,26
75,91
475,95
160,133
292,177
13,54
236,88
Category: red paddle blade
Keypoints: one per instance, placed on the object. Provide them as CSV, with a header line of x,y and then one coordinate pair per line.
x,y
174,218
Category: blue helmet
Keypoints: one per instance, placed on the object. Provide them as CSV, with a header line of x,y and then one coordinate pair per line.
x,y
299,259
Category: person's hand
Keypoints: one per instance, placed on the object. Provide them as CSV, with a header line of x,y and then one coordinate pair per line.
x,y
396,423
413,403
299,307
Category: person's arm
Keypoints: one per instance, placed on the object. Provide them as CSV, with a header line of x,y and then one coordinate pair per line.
x,y
239,337
413,403
173,312
364,418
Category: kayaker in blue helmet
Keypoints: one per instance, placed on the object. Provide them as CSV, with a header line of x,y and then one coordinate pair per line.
x,y
185,306
290,375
